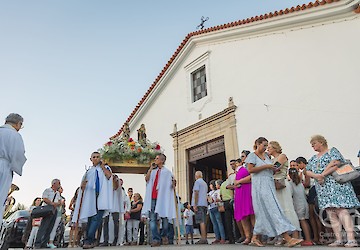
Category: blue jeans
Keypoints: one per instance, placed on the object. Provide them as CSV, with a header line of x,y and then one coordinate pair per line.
x,y
93,224
218,226
156,237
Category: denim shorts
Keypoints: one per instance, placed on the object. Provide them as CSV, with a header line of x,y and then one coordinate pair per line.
x,y
189,229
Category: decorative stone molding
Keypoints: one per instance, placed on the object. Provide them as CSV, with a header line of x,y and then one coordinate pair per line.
x,y
222,124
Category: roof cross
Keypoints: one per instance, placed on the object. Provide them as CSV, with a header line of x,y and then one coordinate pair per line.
x,y
203,20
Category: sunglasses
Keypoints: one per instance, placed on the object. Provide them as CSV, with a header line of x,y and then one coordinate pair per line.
x,y
292,170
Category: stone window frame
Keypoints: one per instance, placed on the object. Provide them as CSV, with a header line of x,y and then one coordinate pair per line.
x,y
201,61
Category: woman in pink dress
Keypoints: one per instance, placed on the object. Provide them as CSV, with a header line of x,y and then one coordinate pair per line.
x,y
243,208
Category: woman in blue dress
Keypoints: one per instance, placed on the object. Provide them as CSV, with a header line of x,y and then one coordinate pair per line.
x,y
332,196
269,217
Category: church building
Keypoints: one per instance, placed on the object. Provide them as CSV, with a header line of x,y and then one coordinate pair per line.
x,y
285,75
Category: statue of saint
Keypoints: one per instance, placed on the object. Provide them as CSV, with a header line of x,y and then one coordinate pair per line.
x,y
126,132
142,135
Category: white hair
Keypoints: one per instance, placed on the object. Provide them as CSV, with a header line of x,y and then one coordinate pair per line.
x,y
14,118
199,174
54,181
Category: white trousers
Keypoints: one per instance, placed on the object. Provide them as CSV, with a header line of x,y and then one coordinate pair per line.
x,y
53,231
6,177
32,236
121,229
132,228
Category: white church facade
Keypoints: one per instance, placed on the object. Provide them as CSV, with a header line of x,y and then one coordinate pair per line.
x,y
285,76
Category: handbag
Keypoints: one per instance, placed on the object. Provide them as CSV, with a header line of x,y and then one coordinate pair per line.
x,y
44,211
127,216
345,172
279,184
220,206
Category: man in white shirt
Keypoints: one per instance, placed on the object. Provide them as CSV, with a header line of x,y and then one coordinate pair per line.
x,y
12,155
50,196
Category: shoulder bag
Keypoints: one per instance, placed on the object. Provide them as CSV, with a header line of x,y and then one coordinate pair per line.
x,y
279,184
345,172
44,211
220,206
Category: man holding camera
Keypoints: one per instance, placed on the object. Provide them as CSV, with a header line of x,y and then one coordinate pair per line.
x,y
50,196
159,199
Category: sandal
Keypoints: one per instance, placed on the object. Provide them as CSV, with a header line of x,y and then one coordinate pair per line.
x,y
337,243
293,242
246,241
256,243
351,243
280,242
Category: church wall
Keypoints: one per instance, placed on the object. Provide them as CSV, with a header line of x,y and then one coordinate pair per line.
x,y
287,85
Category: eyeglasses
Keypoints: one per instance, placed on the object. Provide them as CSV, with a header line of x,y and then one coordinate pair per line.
x,y
243,156
129,190
94,157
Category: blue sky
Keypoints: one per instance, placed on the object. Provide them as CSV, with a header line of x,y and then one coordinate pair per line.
x,y
76,69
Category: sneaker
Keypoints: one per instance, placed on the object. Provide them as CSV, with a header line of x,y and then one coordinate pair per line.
x,y
165,241
51,246
192,242
215,242
104,244
202,242
187,243
88,246
155,244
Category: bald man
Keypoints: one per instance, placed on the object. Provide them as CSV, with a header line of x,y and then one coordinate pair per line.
x,y
199,203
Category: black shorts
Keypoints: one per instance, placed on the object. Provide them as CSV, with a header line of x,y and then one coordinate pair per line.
x,y
312,195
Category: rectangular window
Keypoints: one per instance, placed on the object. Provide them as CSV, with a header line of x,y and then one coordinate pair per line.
x,y
199,84
216,174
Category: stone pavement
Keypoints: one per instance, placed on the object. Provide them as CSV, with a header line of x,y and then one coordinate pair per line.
x,y
183,246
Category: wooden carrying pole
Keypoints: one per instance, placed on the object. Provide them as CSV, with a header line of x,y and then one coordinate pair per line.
x,y
78,217
176,200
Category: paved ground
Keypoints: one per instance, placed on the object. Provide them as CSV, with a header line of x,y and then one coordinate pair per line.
x,y
207,247
183,246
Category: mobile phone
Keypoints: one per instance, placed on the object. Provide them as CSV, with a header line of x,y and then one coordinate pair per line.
x,y
277,164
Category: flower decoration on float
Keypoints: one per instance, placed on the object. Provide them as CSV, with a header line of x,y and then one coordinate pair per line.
x,y
120,150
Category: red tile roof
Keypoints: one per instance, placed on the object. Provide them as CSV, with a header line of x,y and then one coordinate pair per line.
x,y
221,27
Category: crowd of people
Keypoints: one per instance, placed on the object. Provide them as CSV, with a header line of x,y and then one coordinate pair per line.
x,y
274,202
265,199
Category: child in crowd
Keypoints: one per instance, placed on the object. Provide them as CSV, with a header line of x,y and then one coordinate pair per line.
x,y
189,224
300,204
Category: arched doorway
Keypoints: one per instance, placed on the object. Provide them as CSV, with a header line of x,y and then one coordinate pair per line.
x,y
219,131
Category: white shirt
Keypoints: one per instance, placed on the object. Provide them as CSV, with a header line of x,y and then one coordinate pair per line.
x,y
50,194
188,217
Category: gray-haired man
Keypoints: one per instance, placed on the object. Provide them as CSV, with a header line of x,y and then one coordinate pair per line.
x,y
12,155
51,196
